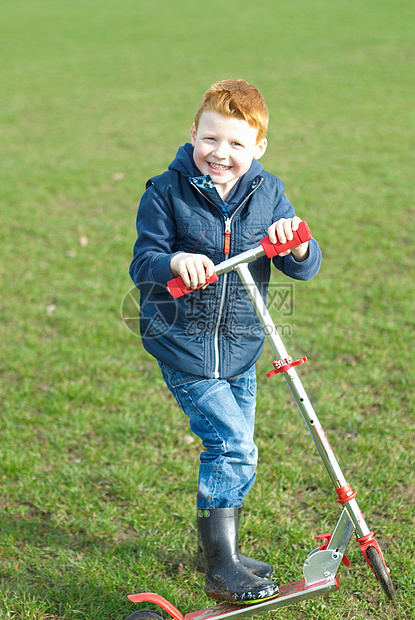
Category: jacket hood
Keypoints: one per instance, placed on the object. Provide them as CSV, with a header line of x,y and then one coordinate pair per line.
x,y
184,163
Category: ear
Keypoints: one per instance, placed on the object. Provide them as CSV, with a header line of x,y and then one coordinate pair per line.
x,y
193,133
260,148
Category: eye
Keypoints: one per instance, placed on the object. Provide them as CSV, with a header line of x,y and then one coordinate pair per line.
x,y
238,144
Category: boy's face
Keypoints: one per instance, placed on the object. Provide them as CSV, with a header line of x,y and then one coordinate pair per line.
x,y
224,148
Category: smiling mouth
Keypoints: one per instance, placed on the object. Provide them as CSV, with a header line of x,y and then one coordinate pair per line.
x,y
218,166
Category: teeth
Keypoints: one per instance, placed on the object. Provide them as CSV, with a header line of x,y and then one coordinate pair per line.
x,y
219,167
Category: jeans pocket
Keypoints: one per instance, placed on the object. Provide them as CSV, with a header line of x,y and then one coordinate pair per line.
x,y
252,385
175,378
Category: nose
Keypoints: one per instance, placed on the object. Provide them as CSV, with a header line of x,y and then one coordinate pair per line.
x,y
221,150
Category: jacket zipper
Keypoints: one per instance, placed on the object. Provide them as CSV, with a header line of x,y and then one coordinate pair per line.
x,y
226,249
227,244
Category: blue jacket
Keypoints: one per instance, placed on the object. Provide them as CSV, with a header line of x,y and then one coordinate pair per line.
x,y
214,332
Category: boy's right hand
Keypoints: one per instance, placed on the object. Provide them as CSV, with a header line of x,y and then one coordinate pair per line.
x,y
194,269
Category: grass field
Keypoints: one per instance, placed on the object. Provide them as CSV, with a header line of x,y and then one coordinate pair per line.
x,y
98,474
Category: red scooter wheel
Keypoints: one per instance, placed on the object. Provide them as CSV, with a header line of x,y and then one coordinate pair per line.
x,y
145,614
381,572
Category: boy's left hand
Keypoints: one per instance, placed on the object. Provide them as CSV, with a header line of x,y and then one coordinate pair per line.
x,y
282,231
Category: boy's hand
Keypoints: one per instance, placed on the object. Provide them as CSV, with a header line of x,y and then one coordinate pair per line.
x,y
282,231
194,269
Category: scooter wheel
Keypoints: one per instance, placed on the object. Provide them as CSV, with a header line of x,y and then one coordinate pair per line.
x,y
381,572
145,614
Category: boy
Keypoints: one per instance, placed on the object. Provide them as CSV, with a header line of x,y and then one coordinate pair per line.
x,y
215,201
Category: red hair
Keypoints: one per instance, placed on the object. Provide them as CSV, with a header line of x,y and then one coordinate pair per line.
x,y
237,99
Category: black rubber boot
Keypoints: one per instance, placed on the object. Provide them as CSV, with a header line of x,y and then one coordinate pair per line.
x,y
226,577
256,567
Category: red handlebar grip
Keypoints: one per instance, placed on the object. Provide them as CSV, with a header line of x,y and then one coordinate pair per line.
x,y
301,235
177,287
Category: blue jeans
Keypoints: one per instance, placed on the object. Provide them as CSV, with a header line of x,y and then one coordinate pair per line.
x,y
222,413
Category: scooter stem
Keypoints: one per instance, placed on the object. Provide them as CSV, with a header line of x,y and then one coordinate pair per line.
x,y
304,405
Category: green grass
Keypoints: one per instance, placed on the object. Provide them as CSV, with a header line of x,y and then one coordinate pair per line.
x,y
98,484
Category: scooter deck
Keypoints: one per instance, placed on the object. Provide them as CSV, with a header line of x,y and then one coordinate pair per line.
x,y
288,595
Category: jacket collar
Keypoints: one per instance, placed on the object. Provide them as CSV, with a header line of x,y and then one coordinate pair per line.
x,y
184,164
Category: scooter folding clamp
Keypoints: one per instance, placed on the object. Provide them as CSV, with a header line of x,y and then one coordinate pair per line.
x,y
322,564
282,365
327,538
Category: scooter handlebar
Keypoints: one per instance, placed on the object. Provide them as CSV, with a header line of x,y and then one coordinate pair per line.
x,y
301,235
177,288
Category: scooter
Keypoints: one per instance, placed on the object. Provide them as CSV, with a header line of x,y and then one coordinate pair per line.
x,y
322,564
